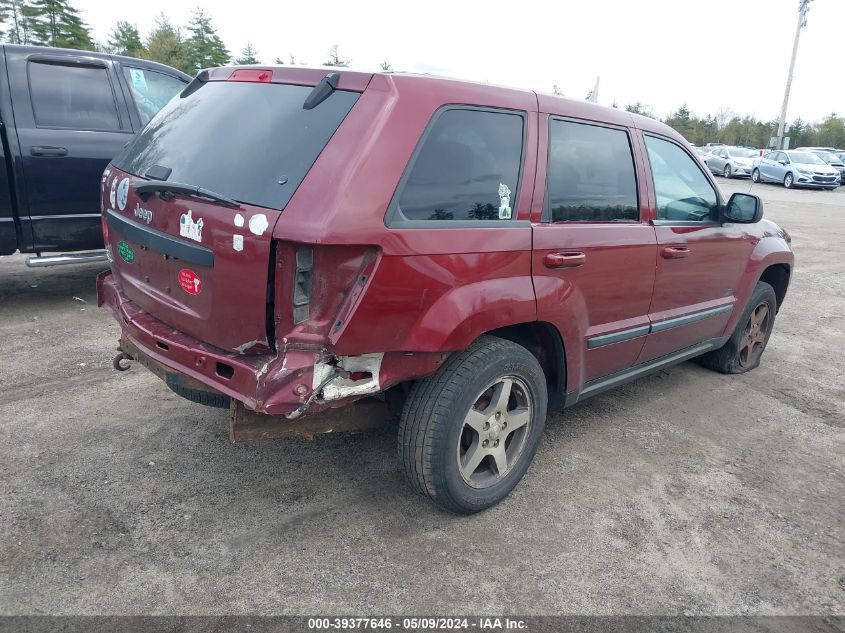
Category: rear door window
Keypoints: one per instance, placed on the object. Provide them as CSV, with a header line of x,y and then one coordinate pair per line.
x,y
150,90
252,142
72,97
591,174
467,169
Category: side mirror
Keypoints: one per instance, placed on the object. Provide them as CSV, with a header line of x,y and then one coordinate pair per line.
x,y
782,162
743,208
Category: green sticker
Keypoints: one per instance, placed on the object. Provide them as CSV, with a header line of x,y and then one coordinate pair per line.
x,y
126,252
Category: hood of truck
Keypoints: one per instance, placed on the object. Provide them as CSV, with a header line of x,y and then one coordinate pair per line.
x,y
201,267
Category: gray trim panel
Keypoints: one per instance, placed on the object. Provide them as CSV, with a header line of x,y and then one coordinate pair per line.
x,y
668,324
660,326
614,380
617,337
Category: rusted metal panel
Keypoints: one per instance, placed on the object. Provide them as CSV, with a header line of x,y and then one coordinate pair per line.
x,y
248,426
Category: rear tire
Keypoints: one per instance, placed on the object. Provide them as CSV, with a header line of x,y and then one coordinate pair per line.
x,y
745,347
788,181
455,443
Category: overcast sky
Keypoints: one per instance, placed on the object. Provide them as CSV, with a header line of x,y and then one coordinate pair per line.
x,y
713,54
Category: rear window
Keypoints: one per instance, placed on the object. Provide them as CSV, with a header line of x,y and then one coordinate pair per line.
x,y
252,142
466,170
73,97
591,174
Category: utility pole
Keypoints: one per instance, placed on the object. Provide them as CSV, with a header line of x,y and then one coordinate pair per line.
x,y
803,9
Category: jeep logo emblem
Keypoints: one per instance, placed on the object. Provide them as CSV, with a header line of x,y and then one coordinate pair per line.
x,y
143,214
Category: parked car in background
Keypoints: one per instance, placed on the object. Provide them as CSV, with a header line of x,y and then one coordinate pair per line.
x,y
828,156
346,239
701,151
794,168
730,161
65,114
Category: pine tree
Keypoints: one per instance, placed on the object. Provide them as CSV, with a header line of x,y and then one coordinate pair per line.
x,y
385,66
640,108
165,45
125,40
56,23
248,55
12,15
205,48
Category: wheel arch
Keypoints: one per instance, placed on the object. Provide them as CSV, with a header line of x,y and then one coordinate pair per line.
x,y
777,276
544,341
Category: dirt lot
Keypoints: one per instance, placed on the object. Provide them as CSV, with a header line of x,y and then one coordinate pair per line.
x,y
686,492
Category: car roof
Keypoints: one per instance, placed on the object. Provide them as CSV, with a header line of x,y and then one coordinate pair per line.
x,y
47,50
465,91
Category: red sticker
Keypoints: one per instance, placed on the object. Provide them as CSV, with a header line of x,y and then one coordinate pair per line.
x,y
190,281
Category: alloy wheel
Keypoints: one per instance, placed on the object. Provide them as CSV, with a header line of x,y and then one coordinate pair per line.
x,y
727,171
494,432
787,181
754,338
755,175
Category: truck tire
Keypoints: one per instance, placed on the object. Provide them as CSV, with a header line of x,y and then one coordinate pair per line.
x,y
208,398
745,347
469,432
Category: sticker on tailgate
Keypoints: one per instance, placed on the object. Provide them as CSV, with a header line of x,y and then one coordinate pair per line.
x,y
190,281
127,253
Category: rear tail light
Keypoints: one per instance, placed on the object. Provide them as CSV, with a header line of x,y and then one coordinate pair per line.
x,y
250,74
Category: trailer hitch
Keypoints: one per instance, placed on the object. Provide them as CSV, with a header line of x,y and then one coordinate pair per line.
x,y
122,361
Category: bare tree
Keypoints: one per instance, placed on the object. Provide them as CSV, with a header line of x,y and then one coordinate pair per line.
x,y
335,59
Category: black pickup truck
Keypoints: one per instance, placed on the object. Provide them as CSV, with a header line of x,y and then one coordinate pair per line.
x,y
63,115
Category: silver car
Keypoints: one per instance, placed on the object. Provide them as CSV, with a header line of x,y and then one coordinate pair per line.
x,y
731,161
829,156
795,169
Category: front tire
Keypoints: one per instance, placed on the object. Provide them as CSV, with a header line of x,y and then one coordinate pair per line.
x,y
788,181
755,175
727,173
469,432
745,347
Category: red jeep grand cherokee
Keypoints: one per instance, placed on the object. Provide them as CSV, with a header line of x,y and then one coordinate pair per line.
x,y
286,242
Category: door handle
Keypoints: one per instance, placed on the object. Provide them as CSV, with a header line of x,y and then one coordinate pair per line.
x,y
674,252
46,150
566,259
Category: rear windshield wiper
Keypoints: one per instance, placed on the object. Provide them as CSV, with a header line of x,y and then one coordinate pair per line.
x,y
144,190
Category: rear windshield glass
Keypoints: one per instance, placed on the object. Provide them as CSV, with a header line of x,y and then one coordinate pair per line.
x,y
252,142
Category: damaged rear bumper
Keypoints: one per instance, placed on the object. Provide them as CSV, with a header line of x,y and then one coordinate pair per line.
x,y
295,381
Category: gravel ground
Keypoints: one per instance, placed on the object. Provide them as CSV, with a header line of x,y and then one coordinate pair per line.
x,y
685,492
